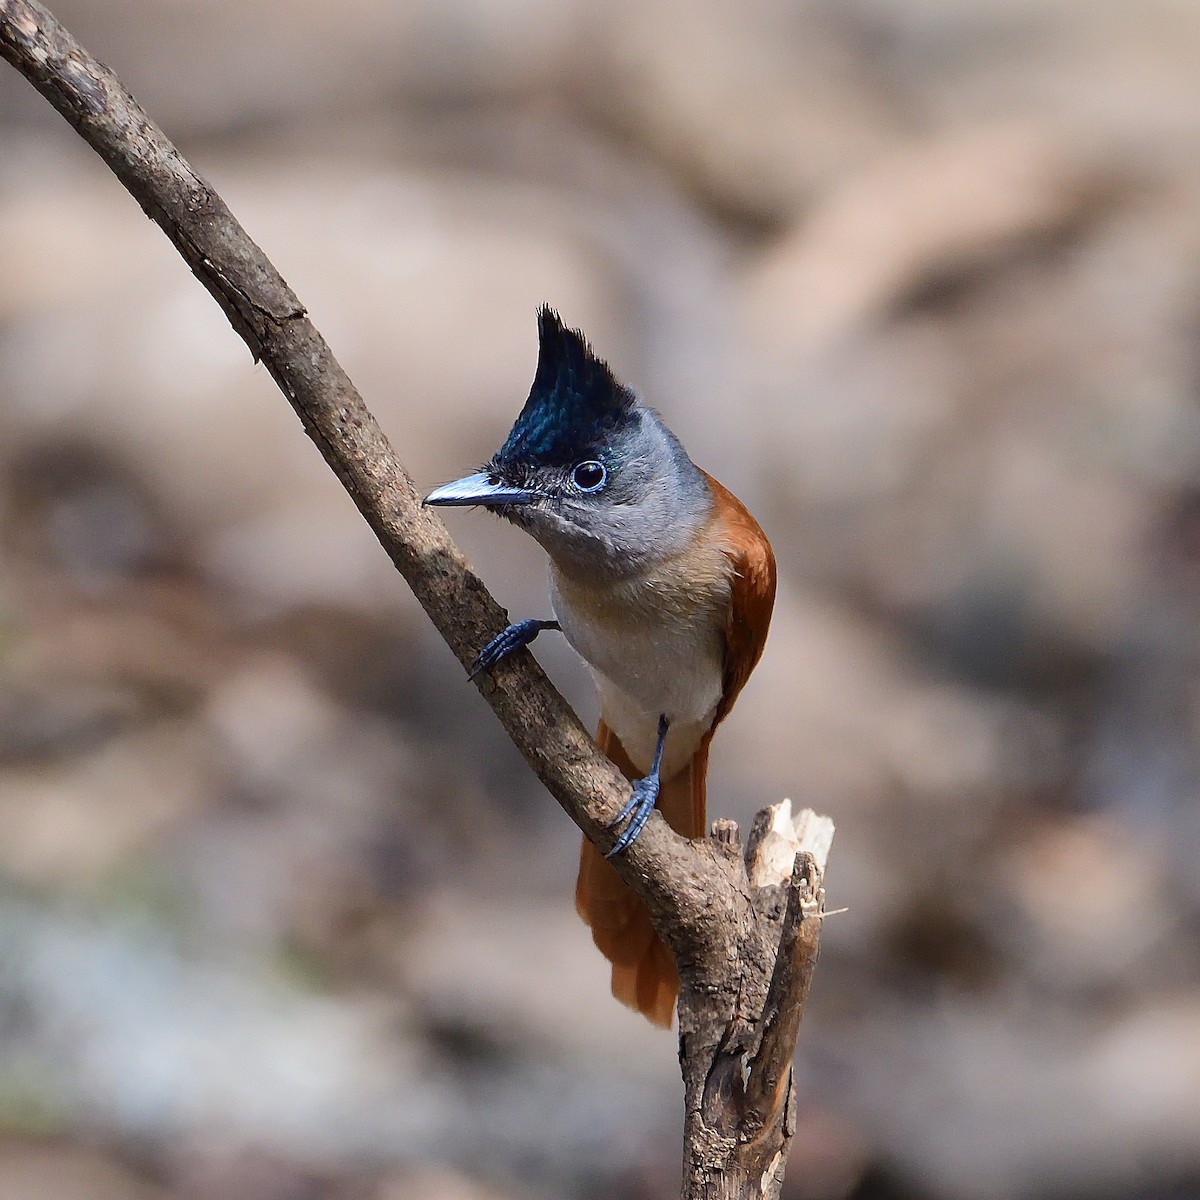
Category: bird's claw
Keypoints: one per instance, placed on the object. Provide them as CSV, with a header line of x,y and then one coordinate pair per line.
x,y
641,803
519,634
637,812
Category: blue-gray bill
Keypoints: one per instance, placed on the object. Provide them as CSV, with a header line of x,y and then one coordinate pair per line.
x,y
480,488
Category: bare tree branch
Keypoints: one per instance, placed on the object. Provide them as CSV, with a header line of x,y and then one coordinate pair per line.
x,y
740,1005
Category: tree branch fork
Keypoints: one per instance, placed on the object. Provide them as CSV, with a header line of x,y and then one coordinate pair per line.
x,y
744,928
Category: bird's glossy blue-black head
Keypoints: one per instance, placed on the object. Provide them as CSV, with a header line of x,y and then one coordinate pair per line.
x,y
590,472
576,406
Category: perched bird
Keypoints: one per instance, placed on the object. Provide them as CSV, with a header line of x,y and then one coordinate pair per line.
x,y
660,580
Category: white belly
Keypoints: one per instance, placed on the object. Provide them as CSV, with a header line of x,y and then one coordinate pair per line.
x,y
648,659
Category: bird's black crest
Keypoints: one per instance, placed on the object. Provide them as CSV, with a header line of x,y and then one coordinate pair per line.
x,y
574,405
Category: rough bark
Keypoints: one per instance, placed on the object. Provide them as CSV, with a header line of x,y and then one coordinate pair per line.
x,y
738,1025
723,918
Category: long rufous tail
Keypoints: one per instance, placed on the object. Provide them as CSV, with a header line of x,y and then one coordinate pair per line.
x,y
643,972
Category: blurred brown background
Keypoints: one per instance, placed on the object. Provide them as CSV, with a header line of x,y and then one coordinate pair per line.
x,y
283,916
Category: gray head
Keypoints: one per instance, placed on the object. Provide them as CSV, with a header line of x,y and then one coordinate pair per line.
x,y
587,469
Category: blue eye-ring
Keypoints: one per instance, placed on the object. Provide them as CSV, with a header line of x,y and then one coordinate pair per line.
x,y
589,476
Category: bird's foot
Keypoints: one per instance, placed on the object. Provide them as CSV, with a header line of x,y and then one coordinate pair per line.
x,y
641,804
519,634
637,812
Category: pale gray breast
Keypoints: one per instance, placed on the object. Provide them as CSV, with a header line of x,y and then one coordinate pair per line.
x,y
654,639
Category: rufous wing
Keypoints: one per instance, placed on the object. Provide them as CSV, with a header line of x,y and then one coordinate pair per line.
x,y
752,588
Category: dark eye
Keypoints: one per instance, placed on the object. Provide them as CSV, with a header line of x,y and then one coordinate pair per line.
x,y
589,476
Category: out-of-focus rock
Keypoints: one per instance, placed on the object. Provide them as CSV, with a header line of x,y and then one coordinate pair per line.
x,y
1121,76
70,826
828,1155
434,1183
210,1170
910,219
1086,907
757,104
305,790
202,69
1013,1096
47,1170
73,510
163,639
519,967
858,719
98,752
126,1036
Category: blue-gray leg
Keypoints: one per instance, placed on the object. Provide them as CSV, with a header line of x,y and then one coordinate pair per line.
x,y
504,644
641,804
